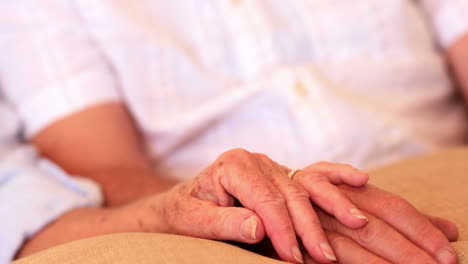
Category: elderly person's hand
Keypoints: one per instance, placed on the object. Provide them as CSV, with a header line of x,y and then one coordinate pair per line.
x,y
396,232
276,206
272,203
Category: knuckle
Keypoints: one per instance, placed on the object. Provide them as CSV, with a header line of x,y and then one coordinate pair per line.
x,y
208,228
218,225
339,242
342,244
272,198
435,240
423,230
237,153
322,163
315,179
177,215
240,152
262,156
317,227
294,192
214,232
371,232
395,204
348,166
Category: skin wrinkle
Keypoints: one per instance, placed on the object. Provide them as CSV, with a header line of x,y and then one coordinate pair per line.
x,y
204,192
262,159
208,225
223,198
295,192
141,225
190,206
103,218
371,232
211,189
166,214
234,173
179,219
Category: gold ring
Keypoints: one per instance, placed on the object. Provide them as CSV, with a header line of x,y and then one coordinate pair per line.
x,y
292,173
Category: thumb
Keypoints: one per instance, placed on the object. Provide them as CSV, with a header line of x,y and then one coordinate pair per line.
x,y
224,223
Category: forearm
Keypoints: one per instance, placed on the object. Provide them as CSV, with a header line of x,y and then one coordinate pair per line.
x,y
458,59
120,186
139,216
98,138
103,144
74,225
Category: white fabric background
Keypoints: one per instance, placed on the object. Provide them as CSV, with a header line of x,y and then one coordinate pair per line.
x,y
357,81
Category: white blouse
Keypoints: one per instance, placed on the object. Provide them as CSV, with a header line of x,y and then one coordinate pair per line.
x,y
361,81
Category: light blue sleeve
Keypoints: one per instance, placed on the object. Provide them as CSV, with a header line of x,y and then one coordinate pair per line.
x,y
34,192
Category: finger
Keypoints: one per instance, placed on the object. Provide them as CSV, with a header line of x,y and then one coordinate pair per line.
x,y
205,219
449,229
349,252
340,173
256,192
331,199
309,229
403,217
380,239
304,218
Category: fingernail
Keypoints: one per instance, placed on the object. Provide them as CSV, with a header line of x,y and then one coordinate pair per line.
x,y
297,254
248,228
446,256
358,214
327,251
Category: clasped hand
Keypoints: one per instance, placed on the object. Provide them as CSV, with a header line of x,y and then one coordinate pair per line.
x,y
324,204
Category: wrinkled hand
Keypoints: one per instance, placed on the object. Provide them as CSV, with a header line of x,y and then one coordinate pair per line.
x,y
273,205
396,232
